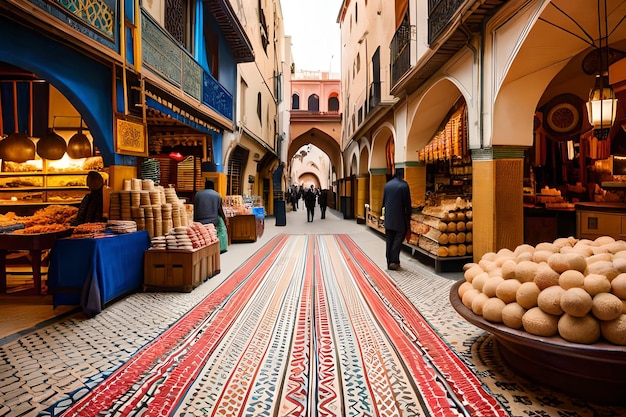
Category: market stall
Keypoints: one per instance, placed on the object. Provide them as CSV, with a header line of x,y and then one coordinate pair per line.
x,y
246,218
91,272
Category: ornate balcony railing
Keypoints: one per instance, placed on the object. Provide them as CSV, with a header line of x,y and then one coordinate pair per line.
x,y
440,13
163,54
400,53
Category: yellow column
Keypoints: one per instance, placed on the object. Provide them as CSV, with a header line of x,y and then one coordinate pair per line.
x,y
362,197
119,173
497,199
378,179
415,175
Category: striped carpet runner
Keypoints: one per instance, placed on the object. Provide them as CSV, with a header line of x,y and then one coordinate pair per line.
x,y
307,326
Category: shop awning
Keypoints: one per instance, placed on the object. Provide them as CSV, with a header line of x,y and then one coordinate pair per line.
x,y
169,110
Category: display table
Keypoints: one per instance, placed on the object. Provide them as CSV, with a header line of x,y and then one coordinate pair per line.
x,y
180,270
243,228
601,219
34,244
595,373
90,272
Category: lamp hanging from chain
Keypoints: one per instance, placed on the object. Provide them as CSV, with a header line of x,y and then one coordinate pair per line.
x,y
79,145
52,146
17,147
602,104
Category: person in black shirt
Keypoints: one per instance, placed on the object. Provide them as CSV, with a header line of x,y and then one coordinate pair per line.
x,y
310,197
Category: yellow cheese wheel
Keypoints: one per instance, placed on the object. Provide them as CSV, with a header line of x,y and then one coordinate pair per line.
x,y
584,329
512,315
536,321
577,302
549,300
527,294
606,306
492,310
614,330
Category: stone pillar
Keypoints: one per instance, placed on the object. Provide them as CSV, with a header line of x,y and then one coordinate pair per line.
x,y
119,173
415,175
378,179
497,199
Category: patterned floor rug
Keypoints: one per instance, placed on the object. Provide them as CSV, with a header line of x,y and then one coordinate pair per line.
x,y
308,326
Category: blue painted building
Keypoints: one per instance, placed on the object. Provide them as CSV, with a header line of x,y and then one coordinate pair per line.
x,y
142,81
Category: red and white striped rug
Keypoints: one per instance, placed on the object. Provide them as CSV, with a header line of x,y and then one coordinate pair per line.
x,y
307,326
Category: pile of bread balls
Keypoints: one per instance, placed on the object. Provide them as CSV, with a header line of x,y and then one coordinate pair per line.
x,y
572,288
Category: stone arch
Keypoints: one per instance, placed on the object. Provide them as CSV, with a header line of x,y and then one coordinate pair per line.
x,y
527,77
380,138
364,155
429,112
320,139
354,166
85,83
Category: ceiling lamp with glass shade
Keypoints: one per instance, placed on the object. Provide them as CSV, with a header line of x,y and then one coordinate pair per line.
x,y
52,146
79,146
17,147
602,104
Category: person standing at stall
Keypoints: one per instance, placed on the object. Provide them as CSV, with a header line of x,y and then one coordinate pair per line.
x,y
207,208
397,212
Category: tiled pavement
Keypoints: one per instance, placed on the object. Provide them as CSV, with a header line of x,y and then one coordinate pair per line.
x,y
47,365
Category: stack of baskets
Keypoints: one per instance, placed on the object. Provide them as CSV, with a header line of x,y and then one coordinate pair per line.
x,y
154,208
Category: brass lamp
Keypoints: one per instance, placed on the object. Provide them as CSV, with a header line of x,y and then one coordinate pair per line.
x,y
602,104
602,107
52,146
17,147
79,146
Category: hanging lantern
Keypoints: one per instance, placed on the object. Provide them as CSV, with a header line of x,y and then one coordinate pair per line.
x,y
602,107
79,146
52,146
17,147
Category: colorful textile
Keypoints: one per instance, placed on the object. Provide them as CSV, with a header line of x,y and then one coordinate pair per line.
x,y
308,325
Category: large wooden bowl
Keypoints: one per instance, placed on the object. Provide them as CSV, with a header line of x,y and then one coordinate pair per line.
x,y
596,373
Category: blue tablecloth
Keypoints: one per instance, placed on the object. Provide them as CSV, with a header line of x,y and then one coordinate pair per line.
x,y
93,271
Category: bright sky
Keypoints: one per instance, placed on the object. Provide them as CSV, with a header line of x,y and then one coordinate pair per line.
x,y
314,31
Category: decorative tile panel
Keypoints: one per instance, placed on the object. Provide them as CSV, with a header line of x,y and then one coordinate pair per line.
x,y
216,96
192,77
160,52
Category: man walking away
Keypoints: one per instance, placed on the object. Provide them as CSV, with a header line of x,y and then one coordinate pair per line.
x,y
309,201
323,202
397,212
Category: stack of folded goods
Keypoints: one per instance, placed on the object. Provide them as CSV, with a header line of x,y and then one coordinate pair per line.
x,y
177,238
210,233
89,230
194,236
158,242
122,226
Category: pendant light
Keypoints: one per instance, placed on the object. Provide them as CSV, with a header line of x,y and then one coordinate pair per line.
x,y
79,146
17,147
602,104
52,146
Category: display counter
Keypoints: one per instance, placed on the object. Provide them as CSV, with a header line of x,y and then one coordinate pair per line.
x,y
35,244
245,228
601,219
90,272
546,225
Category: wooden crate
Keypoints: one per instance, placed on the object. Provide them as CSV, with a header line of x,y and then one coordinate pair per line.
x,y
180,270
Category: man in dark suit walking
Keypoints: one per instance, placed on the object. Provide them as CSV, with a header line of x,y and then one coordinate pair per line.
x,y
397,212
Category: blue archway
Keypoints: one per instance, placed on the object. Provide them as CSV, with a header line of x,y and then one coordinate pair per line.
x,y
87,84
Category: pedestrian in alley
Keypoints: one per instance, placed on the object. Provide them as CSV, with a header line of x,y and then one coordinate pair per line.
x,y
323,202
397,211
207,208
310,198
